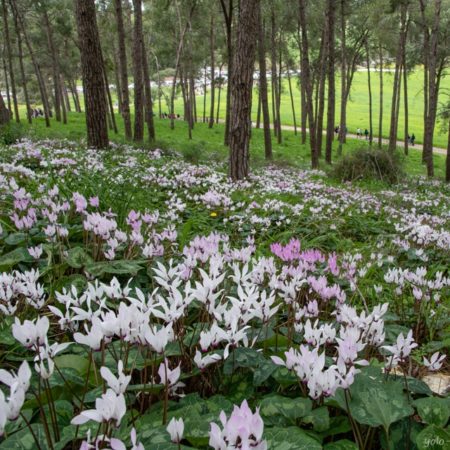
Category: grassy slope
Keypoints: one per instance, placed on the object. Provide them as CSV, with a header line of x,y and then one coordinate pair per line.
x,y
358,105
209,142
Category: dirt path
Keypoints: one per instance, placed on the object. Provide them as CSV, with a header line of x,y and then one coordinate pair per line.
x,y
440,151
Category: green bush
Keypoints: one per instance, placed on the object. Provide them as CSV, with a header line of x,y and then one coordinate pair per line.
x,y
192,153
11,133
370,164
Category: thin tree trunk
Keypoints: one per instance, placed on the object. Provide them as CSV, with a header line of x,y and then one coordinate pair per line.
x,y
263,88
369,87
331,107
37,69
5,114
405,104
92,70
213,69
8,96
21,65
117,80
397,80
241,89
109,98
65,94
218,96
148,105
138,73
447,165
228,15
55,66
61,96
292,100
258,112
125,105
380,119
10,62
321,90
306,76
275,86
343,118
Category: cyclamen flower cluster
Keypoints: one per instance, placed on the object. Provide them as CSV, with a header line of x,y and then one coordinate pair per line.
x,y
243,430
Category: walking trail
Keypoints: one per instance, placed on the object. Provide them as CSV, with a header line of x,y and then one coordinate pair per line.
x,y
440,151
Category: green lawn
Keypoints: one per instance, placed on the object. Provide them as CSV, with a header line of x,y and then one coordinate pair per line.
x,y
208,143
358,105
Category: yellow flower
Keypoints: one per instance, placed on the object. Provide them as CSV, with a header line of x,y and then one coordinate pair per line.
x,y
213,214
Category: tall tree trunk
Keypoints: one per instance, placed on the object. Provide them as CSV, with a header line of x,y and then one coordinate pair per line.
x,y
63,104
447,164
125,105
213,70
426,52
218,95
117,81
65,94
369,87
331,107
397,80
380,119
275,85
37,69
405,104
205,83
263,87
138,73
8,96
148,105
113,124
321,90
258,113
5,114
241,89
306,77
433,91
10,61
343,118
291,95
55,66
228,15
75,96
92,71
21,65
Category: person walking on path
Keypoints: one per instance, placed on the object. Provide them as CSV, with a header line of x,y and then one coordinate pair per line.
x,y
366,133
358,133
413,138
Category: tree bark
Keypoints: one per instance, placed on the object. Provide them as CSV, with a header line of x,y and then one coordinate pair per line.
x,y
37,69
213,69
228,15
55,66
306,78
380,119
10,62
138,73
397,80
447,165
241,89
321,91
92,71
432,89
125,96
331,107
369,87
5,114
343,118
21,65
291,95
148,106
263,88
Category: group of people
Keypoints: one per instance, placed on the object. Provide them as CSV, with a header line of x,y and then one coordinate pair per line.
x,y
411,139
37,112
170,116
359,133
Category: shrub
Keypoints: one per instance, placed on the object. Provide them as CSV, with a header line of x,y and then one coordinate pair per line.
x,y
372,164
11,133
193,153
